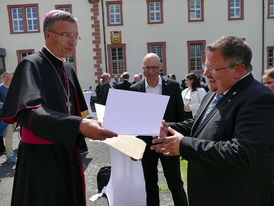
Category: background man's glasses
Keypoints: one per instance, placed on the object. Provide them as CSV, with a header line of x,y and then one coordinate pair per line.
x,y
151,67
66,36
204,67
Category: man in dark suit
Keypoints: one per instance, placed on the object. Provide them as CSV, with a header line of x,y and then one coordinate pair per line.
x,y
229,151
125,84
103,89
153,83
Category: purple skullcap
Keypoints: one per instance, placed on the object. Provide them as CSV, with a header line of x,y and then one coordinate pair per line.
x,y
50,13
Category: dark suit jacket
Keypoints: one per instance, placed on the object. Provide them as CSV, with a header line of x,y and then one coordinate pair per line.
x,y
230,153
175,108
125,85
103,93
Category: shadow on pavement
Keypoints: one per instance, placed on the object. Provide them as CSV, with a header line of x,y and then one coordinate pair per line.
x,y
85,161
7,170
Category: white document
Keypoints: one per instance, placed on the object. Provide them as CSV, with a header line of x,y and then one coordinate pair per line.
x,y
100,111
134,113
127,144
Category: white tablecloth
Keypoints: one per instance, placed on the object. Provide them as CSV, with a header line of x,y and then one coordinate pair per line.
x,y
126,186
87,96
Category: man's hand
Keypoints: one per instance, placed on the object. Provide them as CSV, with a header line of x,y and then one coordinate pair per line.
x,y
186,107
169,146
93,129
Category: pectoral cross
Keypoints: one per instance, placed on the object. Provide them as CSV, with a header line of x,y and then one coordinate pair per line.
x,y
68,105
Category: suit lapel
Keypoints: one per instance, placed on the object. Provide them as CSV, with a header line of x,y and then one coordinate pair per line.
x,y
227,98
164,87
142,86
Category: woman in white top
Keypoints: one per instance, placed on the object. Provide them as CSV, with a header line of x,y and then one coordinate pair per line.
x,y
193,95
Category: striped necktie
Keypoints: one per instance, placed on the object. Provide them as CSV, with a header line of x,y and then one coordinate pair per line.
x,y
216,99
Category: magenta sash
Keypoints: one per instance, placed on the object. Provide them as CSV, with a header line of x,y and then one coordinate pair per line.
x,y
30,138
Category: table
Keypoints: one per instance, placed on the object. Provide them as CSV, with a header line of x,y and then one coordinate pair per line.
x,y
126,186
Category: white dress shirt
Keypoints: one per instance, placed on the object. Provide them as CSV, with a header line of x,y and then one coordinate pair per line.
x,y
154,90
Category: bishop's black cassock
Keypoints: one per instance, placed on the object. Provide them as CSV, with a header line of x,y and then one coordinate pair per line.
x,y
49,170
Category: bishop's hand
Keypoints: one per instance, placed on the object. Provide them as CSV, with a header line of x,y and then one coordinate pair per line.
x,y
93,129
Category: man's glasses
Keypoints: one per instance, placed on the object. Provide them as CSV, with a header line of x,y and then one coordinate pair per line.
x,y
204,67
151,67
66,36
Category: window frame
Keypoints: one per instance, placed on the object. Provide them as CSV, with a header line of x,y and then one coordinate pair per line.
x,y
163,44
108,3
61,6
241,12
189,43
20,51
202,12
2,60
161,12
69,6
109,47
268,12
268,48
23,7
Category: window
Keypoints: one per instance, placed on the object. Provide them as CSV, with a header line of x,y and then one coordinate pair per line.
x,y
270,57
117,59
196,55
235,9
159,48
65,7
270,9
23,53
195,10
155,11
2,60
23,18
114,12
70,60
2,64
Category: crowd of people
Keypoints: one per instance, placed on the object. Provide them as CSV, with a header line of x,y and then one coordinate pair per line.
x,y
123,82
225,134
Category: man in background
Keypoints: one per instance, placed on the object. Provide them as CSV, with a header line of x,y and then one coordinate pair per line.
x,y
135,79
116,81
103,89
125,84
153,83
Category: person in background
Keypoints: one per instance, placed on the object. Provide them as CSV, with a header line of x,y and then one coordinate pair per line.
x,y
154,83
103,89
121,78
2,146
193,95
116,81
183,84
268,80
125,84
229,144
172,76
135,79
46,99
140,76
9,130
97,88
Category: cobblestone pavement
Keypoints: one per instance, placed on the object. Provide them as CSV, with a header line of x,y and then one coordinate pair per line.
x,y
97,157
